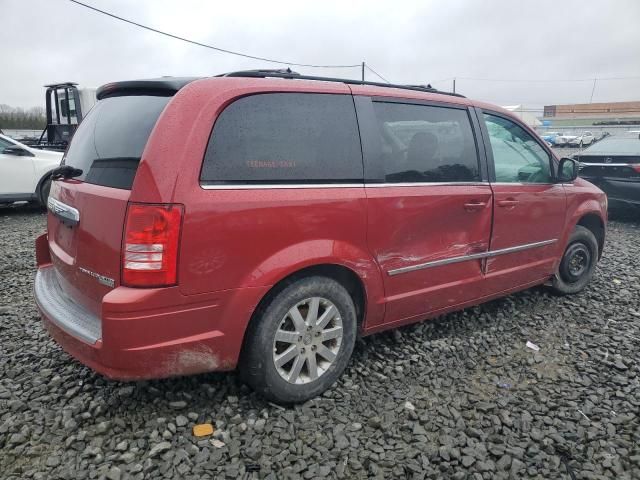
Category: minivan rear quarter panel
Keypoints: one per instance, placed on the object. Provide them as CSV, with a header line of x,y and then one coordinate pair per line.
x,y
275,230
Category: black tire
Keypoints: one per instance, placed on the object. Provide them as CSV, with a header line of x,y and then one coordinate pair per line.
x,y
43,192
578,262
257,366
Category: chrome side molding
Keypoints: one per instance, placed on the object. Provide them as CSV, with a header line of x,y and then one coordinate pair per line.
x,y
260,186
67,214
473,256
584,165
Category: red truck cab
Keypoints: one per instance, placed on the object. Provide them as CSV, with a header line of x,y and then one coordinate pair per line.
x,y
261,220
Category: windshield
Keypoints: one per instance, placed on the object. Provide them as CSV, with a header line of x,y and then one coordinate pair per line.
x,y
616,145
109,142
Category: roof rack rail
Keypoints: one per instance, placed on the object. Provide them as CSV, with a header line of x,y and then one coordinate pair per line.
x,y
61,84
267,72
288,73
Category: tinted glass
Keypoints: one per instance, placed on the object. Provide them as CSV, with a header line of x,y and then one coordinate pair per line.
x,y
517,156
109,142
624,145
5,144
285,137
426,144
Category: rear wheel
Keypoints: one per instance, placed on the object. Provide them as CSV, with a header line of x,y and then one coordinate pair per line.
x,y
301,342
578,262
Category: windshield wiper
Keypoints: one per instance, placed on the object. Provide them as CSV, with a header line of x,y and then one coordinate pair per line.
x,y
65,171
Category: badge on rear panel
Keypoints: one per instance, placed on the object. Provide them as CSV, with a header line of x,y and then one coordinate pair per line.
x,y
109,282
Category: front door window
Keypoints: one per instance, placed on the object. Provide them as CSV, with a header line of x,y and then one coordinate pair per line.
x,y
517,156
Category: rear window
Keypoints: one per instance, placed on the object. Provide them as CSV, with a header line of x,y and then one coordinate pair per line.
x,y
109,142
285,138
623,145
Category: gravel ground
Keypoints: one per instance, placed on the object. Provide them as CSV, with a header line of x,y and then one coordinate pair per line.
x,y
459,397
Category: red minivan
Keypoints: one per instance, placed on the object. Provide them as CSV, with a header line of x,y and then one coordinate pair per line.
x,y
264,219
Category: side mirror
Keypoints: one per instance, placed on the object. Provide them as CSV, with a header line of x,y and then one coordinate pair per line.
x,y
17,151
567,170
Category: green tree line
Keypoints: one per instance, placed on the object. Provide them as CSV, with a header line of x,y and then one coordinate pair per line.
x,y
19,118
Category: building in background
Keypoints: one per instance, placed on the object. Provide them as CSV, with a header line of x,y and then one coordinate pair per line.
x,y
592,114
524,114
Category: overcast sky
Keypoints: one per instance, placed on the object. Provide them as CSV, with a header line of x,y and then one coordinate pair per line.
x,y
532,42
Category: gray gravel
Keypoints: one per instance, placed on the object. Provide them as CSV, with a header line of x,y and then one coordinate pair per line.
x,y
459,397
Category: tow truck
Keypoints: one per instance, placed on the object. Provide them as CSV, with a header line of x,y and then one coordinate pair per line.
x,y
66,106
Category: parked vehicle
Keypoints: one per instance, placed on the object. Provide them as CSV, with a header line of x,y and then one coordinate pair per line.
x,y
25,172
564,139
264,219
66,106
633,132
613,164
550,137
582,140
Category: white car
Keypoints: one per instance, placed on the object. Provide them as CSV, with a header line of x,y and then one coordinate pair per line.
x,y
586,138
564,139
25,172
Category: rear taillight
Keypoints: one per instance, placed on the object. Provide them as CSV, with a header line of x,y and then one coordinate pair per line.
x,y
636,167
150,247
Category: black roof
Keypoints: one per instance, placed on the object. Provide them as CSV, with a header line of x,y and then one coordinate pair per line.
x,y
167,86
288,73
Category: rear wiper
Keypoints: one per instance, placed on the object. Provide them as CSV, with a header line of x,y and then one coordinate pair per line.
x,y
65,171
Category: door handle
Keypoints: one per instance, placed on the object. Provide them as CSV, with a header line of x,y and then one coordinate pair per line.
x,y
474,206
508,203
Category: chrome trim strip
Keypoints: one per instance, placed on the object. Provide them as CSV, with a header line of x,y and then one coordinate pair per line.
x,y
521,184
583,164
426,184
66,213
281,185
335,185
473,256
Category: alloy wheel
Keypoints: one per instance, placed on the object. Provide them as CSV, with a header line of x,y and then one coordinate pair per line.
x,y
307,340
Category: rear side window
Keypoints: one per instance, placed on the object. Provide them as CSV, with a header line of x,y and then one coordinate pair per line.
x,y
424,143
109,142
285,138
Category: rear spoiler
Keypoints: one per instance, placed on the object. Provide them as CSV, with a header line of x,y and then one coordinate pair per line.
x,y
164,87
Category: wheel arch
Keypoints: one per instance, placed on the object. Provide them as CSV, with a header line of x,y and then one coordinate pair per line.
x,y
344,275
594,223
39,185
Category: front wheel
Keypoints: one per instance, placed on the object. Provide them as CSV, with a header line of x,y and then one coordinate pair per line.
x,y
301,341
578,262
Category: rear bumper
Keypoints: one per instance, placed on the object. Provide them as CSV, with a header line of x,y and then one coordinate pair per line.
x,y
147,333
67,315
183,358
